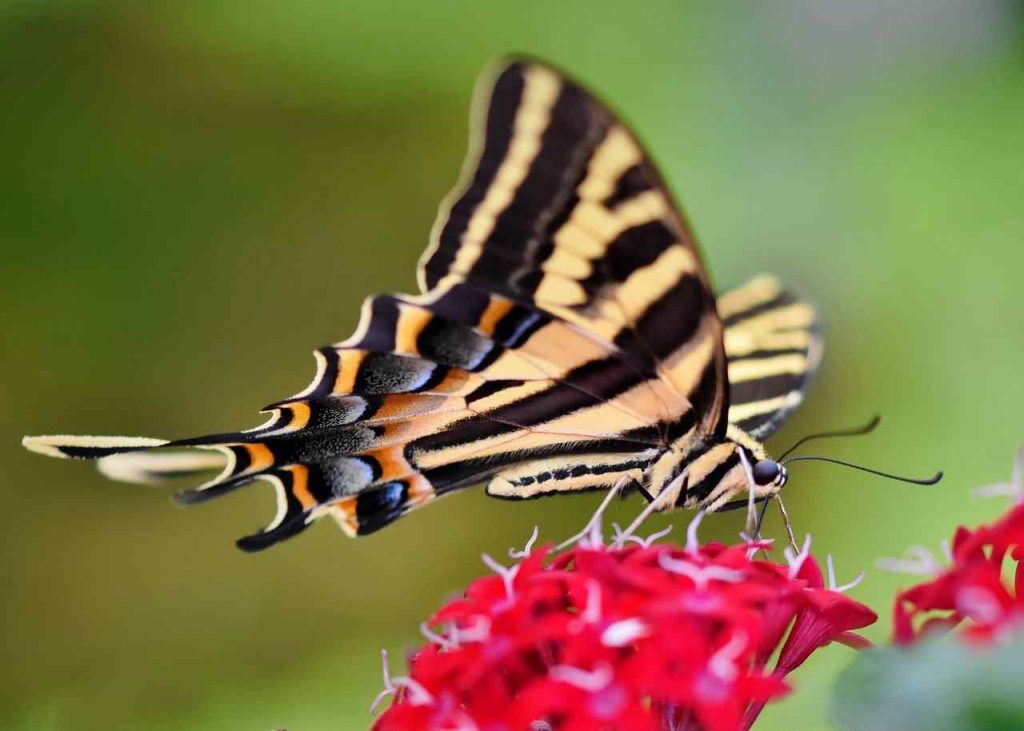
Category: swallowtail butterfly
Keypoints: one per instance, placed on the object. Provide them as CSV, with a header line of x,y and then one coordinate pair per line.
x,y
565,338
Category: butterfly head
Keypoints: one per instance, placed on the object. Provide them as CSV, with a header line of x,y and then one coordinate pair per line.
x,y
768,472
737,469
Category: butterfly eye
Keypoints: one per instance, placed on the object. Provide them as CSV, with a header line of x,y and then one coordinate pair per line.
x,y
767,471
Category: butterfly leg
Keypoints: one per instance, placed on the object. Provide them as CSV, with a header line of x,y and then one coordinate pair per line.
x,y
760,518
664,499
593,526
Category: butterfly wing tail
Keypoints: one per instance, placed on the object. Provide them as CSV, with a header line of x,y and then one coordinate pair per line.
x,y
128,459
152,461
68,446
341,471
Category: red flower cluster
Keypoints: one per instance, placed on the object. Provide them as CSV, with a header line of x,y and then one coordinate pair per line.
x,y
632,635
973,588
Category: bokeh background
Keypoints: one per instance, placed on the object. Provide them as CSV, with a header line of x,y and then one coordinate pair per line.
x,y
194,195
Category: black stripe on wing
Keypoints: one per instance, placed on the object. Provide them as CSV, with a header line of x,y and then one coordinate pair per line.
x,y
774,348
562,209
497,132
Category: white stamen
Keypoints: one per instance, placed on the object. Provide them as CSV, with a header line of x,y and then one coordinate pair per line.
x,y
594,537
723,662
620,537
593,527
1014,489
692,542
588,680
512,553
921,562
698,575
997,489
479,631
655,504
507,575
651,539
418,695
437,639
904,566
389,688
796,560
755,544
832,578
623,632
947,550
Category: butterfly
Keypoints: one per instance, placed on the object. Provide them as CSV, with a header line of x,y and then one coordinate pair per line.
x,y
565,338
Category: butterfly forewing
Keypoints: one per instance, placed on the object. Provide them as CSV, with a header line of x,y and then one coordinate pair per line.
x,y
562,210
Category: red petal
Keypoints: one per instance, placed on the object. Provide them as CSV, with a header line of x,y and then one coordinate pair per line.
x,y
854,640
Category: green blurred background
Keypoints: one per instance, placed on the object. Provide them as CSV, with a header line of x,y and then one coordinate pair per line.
x,y
194,195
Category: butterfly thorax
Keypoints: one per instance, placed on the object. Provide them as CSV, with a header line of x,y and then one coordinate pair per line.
x,y
715,474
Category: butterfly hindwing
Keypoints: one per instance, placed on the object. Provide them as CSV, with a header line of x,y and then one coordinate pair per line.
x,y
424,398
774,348
571,473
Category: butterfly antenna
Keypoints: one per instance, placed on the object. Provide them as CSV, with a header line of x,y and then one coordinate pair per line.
x,y
861,430
916,481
